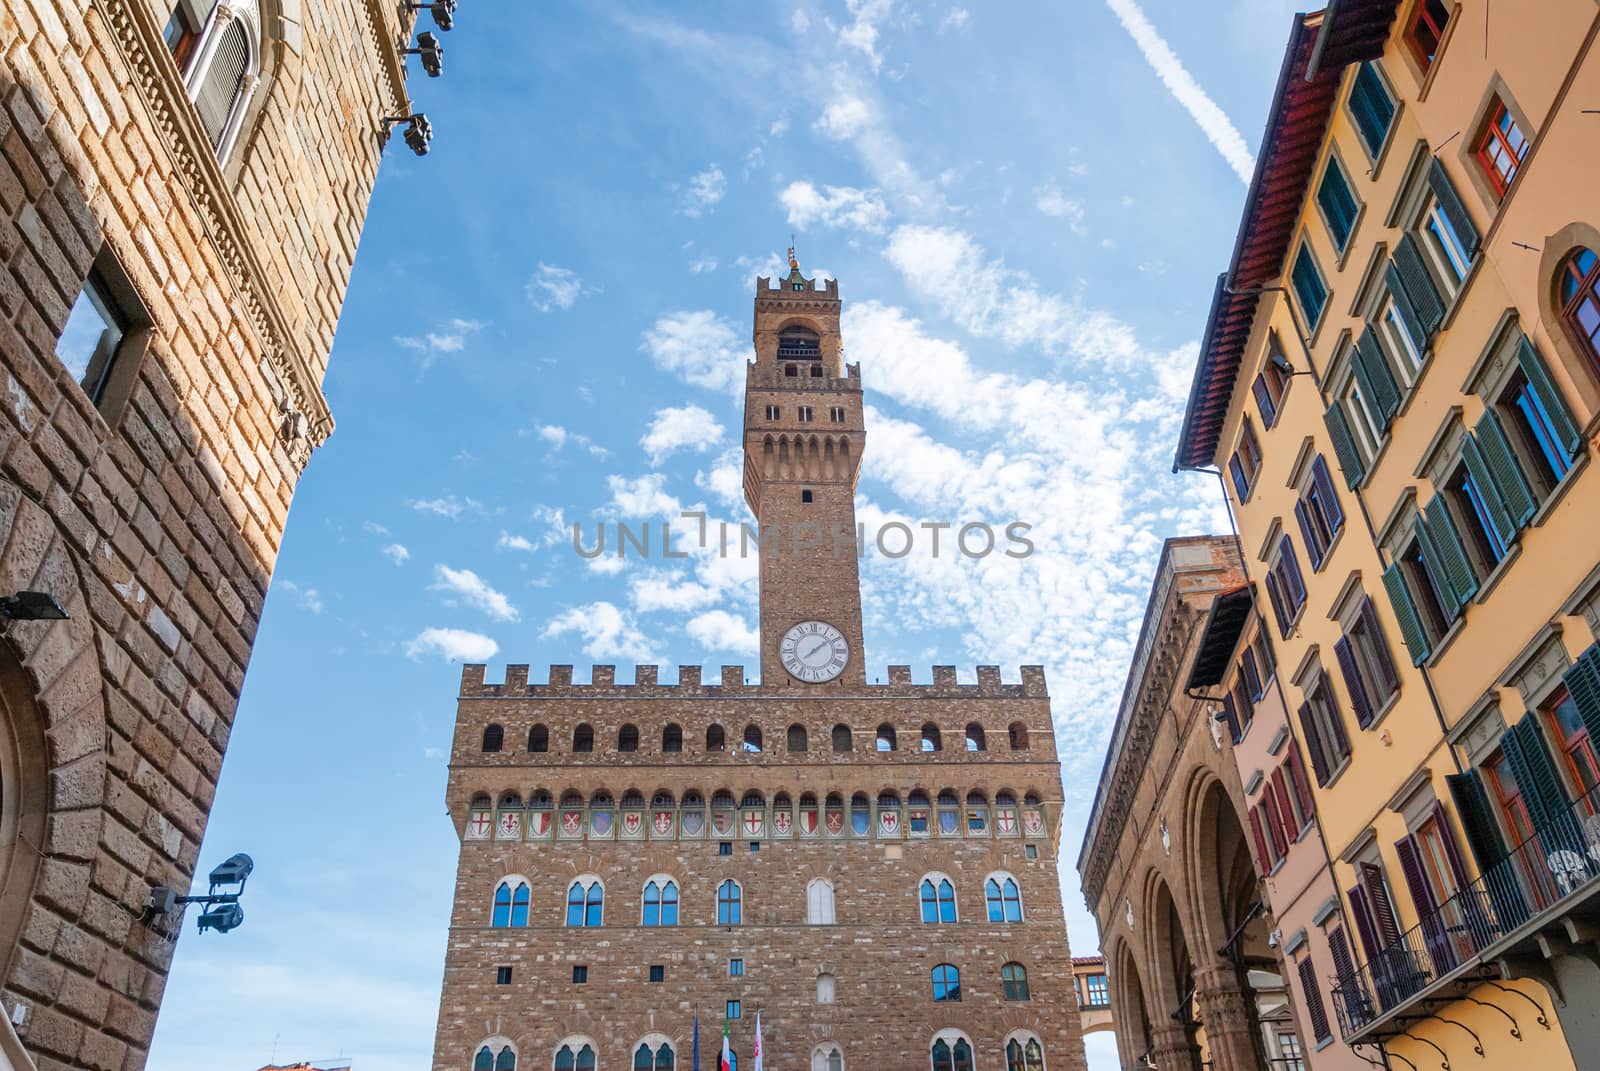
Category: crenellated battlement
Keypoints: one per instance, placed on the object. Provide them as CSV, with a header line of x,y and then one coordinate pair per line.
x,y
647,682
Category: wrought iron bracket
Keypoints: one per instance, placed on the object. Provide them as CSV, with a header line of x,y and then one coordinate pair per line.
x,y
1477,1042
1444,1057
1517,992
1516,1031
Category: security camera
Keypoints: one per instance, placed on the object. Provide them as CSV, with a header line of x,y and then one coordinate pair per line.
x,y
432,53
1273,938
419,132
443,12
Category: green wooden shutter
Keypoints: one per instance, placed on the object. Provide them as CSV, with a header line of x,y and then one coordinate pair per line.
x,y
1494,503
1418,285
1344,445
1509,479
1408,312
1433,562
1411,631
1376,378
1549,394
1452,553
1454,210
1535,773
1477,817
1583,683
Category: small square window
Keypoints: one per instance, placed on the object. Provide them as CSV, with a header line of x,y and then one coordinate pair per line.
x,y
772,412
658,972
755,846
94,343
580,975
806,496
805,414
724,847
502,976
733,1009
1031,851
836,414
736,968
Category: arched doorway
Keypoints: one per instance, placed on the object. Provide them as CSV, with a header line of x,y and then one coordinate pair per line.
x,y
1130,1017
1180,1034
24,799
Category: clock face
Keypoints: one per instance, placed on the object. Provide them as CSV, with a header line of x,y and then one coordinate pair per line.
x,y
813,651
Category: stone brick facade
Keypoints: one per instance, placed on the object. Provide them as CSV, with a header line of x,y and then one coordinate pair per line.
x,y
779,786
153,510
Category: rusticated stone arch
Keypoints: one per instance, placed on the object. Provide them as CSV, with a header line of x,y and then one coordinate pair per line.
x,y
1214,850
1130,1010
1168,949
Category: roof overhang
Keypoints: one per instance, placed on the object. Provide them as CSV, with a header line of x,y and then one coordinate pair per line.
x,y
1230,611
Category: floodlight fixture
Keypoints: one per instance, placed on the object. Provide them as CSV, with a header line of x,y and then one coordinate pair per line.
x,y
431,51
222,911
31,606
419,132
443,12
222,918
234,870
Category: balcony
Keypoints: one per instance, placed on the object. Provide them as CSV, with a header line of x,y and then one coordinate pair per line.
x,y
1549,882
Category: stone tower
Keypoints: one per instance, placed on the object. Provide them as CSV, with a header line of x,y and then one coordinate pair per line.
x,y
182,187
872,867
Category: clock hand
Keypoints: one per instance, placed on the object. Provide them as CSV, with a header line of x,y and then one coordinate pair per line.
x,y
807,654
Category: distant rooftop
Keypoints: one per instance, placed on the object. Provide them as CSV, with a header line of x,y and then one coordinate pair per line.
x,y
337,1064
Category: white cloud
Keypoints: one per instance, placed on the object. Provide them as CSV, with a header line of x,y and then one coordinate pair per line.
x,y
452,644
397,553
607,632
1052,202
988,299
307,598
553,288
449,337
834,206
507,541
700,347
1212,120
844,118
374,528
800,22
558,437
725,479
701,265
862,32
659,590
643,497
448,506
706,189
780,125
955,19
475,592
718,630
675,429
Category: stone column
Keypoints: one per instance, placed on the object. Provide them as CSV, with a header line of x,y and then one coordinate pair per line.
x,y
1225,1007
1172,1049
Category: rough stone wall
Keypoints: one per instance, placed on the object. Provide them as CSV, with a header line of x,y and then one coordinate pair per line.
x,y
155,522
879,951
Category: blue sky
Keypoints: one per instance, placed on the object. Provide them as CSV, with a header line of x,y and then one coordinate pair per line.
x,y
1026,205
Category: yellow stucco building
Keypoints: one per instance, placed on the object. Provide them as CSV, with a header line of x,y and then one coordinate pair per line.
x,y
1399,389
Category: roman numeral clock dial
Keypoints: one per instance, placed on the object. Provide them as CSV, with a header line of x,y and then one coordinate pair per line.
x,y
813,652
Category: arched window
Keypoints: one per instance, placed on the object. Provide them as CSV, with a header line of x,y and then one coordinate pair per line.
x,y
490,1060
661,902
946,983
952,1052
752,739
819,902
628,738
714,738
886,737
860,814
798,343
827,1058
930,738
825,989
672,739
975,740
938,899
582,740
662,1059
977,812
575,1056
539,739
730,907
949,813
510,904
841,738
1017,733
585,903
1580,299
1024,1054
1014,981
1002,898
797,738
224,75
494,738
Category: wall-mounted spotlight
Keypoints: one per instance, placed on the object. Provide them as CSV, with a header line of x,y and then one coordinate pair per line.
x,y
419,132
31,606
443,12
1281,363
222,911
431,51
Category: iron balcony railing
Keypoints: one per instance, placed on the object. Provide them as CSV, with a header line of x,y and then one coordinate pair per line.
x,y
1550,867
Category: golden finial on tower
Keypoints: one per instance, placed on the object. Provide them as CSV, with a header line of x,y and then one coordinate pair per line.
x,y
794,263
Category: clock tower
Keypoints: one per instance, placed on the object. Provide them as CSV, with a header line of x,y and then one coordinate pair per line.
x,y
803,434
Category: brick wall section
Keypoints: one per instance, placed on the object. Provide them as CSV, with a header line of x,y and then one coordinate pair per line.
x,y
158,530
879,951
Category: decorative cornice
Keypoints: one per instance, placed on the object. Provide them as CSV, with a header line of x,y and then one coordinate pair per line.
x,y
389,57
161,90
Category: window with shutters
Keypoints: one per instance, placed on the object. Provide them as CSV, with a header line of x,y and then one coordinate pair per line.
x,y
1508,801
1372,906
1364,659
1500,146
1245,464
1243,712
1442,239
1323,729
1337,203
1372,108
1299,792
1566,725
1531,417
1421,596
1309,289
1425,30
1320,516
181,35
1437,854
1311,995
1479,518
1273,382
1400,345
1578,283
1435,253
1286,588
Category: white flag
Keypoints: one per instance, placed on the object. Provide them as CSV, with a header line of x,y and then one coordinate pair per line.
x,y
759,1065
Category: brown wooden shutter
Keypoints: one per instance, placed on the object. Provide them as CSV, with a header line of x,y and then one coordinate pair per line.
x,y
1353,681
1312,994
1297,775
1308,725
1291,825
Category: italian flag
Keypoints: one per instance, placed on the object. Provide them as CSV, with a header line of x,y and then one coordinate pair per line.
x,y
726,1063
